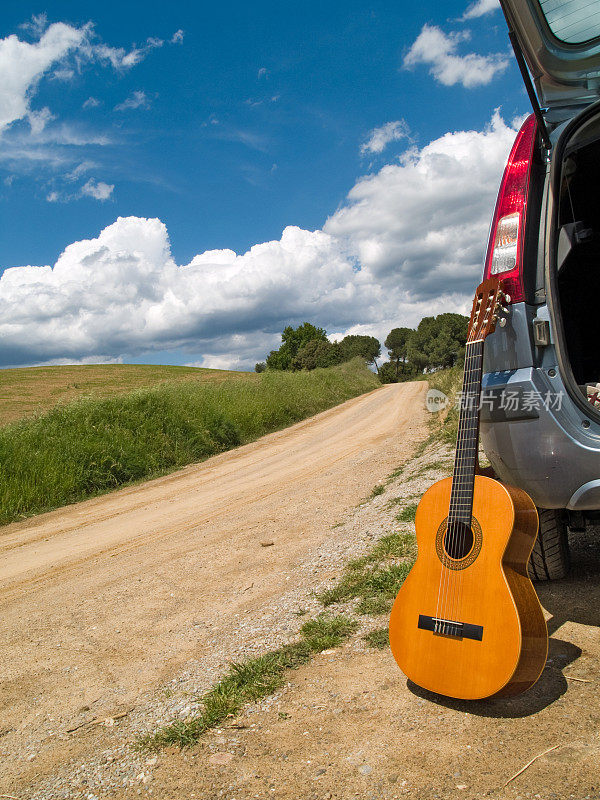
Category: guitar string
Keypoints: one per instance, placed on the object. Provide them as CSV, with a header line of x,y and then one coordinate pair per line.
x,y
445,592
468,479
471,425
442,610
450,588
456,538
456,530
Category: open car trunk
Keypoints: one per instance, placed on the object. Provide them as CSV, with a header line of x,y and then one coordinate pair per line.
x,y
577,255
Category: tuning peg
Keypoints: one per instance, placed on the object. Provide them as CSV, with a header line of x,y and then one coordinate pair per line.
x,y
502,322
506,309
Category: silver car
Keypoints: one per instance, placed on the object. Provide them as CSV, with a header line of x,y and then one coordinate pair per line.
x,y
540,409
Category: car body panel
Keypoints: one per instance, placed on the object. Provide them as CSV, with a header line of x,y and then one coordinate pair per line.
x,y
550,455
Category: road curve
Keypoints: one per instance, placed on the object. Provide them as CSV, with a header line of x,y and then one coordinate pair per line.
x,y
103,600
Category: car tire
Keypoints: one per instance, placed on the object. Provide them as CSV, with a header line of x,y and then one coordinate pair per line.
x,y
550,559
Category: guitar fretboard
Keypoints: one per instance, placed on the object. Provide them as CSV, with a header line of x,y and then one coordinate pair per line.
x,y
467,442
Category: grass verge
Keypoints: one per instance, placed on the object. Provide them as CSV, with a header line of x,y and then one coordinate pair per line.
x,y
253,679
93,445
444,424
375,579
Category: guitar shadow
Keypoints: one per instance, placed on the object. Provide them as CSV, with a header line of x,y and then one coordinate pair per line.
x,y
575,599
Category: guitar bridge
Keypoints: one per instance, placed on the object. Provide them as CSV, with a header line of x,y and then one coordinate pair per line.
x,y
448,627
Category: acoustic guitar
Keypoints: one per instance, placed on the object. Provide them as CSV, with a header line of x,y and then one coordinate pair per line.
x,y
467,622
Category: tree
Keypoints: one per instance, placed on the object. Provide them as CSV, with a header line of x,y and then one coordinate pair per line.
x,y
260,367
438,341
388,373
292,340
397,343
366,347
317,353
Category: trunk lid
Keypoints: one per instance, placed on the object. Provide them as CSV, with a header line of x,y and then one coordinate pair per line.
x,y
560,40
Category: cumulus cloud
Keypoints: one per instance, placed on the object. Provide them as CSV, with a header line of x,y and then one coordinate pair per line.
x,y
91,102
432,46
421,224
177,37
409,241
98,190
137,99
379,138
479,9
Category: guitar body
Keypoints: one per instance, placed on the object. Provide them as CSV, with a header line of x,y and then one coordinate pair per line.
x,y
468,624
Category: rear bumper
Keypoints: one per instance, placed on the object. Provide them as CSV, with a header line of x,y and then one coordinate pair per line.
x,y
536,438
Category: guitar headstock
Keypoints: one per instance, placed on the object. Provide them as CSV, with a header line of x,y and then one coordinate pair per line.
x,y
487,304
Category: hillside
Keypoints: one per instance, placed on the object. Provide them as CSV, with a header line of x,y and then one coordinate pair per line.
x,y
96,444
34,390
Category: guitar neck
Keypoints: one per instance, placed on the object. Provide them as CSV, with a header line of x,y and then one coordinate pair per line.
x,y
467,443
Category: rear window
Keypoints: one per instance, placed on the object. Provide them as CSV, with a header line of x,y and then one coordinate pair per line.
x,y
572,21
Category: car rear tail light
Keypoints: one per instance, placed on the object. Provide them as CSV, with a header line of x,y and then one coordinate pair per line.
x,y
505,249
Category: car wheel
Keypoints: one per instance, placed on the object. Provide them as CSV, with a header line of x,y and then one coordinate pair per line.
x,y
550,555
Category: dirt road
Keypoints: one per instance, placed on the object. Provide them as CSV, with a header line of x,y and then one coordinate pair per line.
x,y
102,602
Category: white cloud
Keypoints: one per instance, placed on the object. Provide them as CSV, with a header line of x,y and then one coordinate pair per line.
x,y
432,46
480,8
408,242
118,57
379,138
39,119
79,170
98,190
63,74
37,25
91,102
263,72
23,64
421,224
177,37
137,99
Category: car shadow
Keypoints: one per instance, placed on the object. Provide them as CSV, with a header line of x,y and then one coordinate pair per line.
x,y
575,599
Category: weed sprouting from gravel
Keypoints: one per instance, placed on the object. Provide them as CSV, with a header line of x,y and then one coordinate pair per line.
x,y
408,513
379,638
252,680
375,579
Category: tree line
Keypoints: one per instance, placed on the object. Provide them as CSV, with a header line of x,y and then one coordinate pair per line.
x,y
437,342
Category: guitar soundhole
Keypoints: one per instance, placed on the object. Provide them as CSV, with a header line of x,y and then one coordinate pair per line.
x,y
459,544
458,541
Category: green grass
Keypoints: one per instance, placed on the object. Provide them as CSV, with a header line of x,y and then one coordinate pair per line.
x,y
408,513
375,579
379,638
377,490
253,679
434,466
444,424
34,390
93,445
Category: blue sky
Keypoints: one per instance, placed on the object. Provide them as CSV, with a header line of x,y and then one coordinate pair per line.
x,y
227,123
